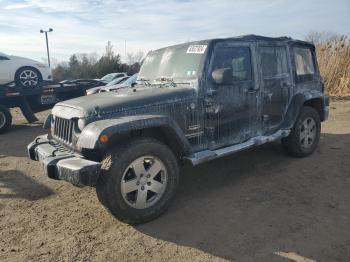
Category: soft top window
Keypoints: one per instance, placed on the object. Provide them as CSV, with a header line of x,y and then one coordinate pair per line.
x,y
236,58
304,64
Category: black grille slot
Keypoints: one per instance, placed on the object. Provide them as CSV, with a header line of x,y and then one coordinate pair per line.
x,y
63,129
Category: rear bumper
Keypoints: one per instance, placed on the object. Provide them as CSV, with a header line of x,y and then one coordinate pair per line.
x,y
325,108
61,164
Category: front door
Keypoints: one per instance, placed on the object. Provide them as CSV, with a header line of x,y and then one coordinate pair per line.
x,y
230,107
276,85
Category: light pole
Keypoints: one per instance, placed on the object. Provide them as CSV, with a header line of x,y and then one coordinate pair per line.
x,y
47,43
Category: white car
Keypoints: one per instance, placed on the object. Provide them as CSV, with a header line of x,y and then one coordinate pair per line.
x,y
23,71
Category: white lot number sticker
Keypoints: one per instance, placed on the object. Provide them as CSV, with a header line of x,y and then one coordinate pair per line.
x,y
196,49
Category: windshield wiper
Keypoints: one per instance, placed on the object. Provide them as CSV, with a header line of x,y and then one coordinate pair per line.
x,y
169,80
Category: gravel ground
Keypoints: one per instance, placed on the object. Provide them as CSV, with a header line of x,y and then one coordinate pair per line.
x,y
259,205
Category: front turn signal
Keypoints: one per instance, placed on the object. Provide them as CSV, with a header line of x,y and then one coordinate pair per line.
x,y
104,138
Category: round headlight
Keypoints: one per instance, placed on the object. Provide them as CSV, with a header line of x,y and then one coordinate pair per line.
x,y
81,124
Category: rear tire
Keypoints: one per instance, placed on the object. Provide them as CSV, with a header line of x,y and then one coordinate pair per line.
x,y
138,180
28,77
305,134
5,119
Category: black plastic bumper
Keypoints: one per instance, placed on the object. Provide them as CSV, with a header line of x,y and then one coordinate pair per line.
x,y
61,164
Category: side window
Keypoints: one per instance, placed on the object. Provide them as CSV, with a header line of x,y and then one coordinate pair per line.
x,y
274,61
3,58
236,58
305,68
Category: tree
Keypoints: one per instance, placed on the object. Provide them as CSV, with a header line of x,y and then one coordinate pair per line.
x,y
132,58
89,66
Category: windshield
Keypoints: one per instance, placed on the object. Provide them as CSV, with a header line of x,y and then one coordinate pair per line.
x,y
176,62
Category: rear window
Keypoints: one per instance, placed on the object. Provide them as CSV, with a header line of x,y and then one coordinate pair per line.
x,y
304,64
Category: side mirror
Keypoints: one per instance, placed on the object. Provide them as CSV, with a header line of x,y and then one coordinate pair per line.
x,y
222,76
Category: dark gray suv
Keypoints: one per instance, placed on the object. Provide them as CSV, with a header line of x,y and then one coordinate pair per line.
x,y
193,102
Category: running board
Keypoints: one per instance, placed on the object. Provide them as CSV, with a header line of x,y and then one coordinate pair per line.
x,y
206,155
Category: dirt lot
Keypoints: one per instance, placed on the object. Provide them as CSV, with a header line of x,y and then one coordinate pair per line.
x,y
259,205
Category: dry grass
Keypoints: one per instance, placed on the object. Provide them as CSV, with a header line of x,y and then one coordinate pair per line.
x,y
334,61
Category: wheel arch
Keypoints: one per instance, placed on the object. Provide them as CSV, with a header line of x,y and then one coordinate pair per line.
x,y
31,67
316,100
161,128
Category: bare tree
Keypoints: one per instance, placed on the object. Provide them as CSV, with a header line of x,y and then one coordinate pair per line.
x,y
317,38
132,58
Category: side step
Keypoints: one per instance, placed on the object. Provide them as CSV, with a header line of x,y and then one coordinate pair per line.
x,y
206,155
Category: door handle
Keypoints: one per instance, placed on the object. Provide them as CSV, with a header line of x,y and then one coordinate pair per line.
x,y
250,90
286,85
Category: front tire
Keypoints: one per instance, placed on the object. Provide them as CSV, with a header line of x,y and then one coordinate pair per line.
x,y
305,134
138,180
5,119
28,77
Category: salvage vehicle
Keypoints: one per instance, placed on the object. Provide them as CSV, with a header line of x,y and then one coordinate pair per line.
x,y
110,77
194,102
130,82
24,72
114,82
114,86
40,98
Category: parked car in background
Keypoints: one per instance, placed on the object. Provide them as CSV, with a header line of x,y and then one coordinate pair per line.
x,y
110,77
130,82
24,72
114,82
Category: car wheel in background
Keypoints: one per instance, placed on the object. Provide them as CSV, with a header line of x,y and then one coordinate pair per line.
x,y
28,77
5,119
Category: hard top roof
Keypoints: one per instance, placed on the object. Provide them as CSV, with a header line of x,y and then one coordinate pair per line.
x,y
262,38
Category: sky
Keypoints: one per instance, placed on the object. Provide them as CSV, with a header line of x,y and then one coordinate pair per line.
x,y
85,26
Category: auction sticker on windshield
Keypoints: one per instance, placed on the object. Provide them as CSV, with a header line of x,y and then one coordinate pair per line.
x,y
196,49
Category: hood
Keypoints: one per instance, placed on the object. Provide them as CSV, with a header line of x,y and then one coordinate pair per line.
x,y
126,99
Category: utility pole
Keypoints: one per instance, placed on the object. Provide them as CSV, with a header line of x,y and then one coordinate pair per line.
x,y
47,43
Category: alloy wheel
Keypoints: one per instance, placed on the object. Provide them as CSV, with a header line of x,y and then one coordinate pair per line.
x,y
29,78
308,132
144,182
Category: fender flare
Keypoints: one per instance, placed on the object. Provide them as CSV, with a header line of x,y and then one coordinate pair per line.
x,y
114,128
297,103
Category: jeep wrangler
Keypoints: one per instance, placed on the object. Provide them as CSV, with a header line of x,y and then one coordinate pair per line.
x,y
193,102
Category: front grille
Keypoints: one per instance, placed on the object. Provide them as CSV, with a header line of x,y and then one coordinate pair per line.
x,y
63,129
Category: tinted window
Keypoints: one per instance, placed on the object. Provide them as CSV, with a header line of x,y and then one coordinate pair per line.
x,y
236,58
4,58
274,61
304,64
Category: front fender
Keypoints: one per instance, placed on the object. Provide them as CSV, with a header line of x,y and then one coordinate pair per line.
x,y
89,138
297,103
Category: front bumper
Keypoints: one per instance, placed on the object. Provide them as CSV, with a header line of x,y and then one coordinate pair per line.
x,y
62,164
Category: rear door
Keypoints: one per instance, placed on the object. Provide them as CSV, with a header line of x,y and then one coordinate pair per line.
x,y
276,82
